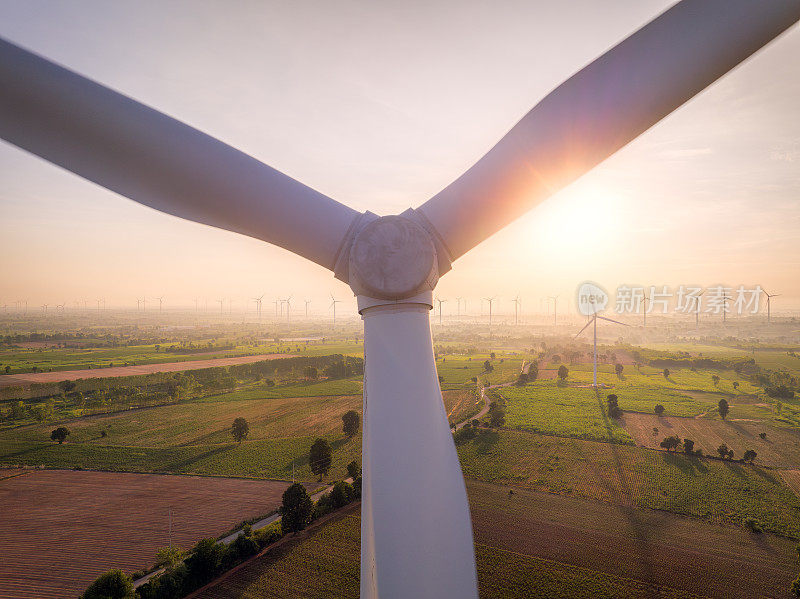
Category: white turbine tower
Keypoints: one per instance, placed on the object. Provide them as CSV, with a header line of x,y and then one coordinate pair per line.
x,y
334,301
592,300
555,306
458,307
440,301
307,302
769,297
258,300
490,301
516,309
414,544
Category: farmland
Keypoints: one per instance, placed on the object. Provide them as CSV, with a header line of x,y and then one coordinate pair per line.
x,y
713,490
60,530
780,448
538,544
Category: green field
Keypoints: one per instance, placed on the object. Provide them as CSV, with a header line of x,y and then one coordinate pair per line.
x,y
457,370
710,489
194,437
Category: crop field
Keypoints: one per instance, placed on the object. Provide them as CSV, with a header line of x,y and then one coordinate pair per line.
x,y
713,490
141,369
55,359
568,411
780,449
194,437
541,545
60,530
457,371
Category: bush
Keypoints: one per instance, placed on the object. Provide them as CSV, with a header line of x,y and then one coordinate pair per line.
x,y
353,470
267,535
60,435
341,494
168,556
688,446
753,525
205,561
659,409
464,434
350,423
114,584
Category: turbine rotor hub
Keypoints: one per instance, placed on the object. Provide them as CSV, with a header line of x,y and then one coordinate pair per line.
x,y
392,258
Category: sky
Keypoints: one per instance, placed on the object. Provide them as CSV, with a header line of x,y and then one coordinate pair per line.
x,y
380,105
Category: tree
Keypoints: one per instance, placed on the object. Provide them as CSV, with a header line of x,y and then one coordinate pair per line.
x,y
618,369
715,379
723,408
492,356
487,366
796,587
613,406
762,435
240,429
563,373
350,422
319,457
59,434
671,442
353,470
295,509
114,584
730,454
735,385
497,417
533,372
522,379
749,456
659,409
205,560
666,373
688,446
722,450
310,372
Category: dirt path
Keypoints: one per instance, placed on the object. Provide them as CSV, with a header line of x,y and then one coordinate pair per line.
x,y
24,380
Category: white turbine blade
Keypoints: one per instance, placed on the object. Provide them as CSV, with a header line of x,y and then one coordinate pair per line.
x,y
602,108
415,523
586,326
611,320
158,161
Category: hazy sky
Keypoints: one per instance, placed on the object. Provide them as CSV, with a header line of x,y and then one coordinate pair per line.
x,y
380,105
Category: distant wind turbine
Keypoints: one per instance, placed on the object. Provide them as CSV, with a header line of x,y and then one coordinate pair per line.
x,y
555,308
441,301
458,307
257,300
307,302
592,300
769,297
516,309
490,300
160,302
334,301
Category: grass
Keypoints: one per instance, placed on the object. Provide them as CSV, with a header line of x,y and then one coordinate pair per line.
x,y
194,437
458,371
566,411
709,489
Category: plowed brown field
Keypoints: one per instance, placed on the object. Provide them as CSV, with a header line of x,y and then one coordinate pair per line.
x,y
59,529
781,448
7,380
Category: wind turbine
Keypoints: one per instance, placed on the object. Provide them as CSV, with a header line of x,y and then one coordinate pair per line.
x,y
592,300
458,307
490,300
555,308
441,301
288,301
769,297
257,300
516,309
221,304
697,310
276,302
160,301
334,301
644,310
307,302
413,544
